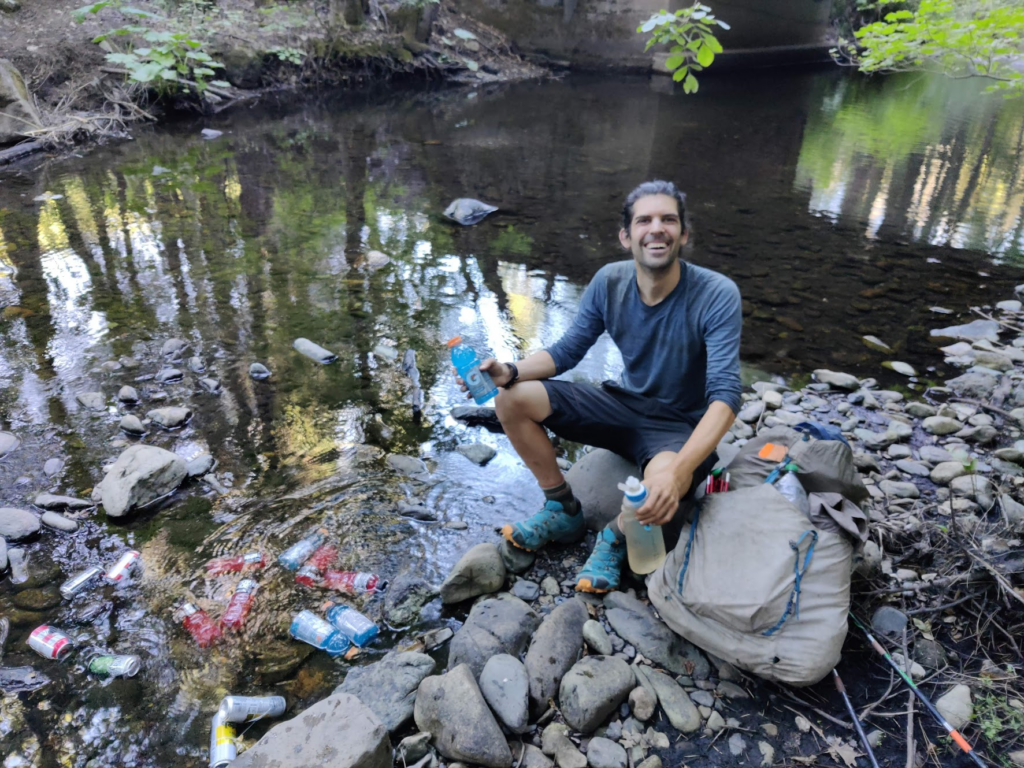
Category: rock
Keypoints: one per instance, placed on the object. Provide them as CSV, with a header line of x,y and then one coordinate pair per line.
x,y
501,624
143,473
973,331
555,742
339,731
451,707
920,410
732,691
209,134
956,706
703,698
899,490
770,729
417,512
553,650
895,432
592,690
516,560
737,745
916,670
412,749
407,594
869,563
929,653
679,708
376,260
993,360
1017,757
912,468
981,435
170,418
314,351
534,758
902,368
38,599
934,454
210,385
131,425
597,638
889,621
408,465
594,480
715,722
480,571
772,400
550,587
259,371
642,703
18,113
173,348
388,687
17,524
49,501
94,401
478,453
865,462
605,753
58,521
3,556
1013,512
196,365
651,762
941,425
168,375
974,487
975,386
947,472
18,679
1014,455
837,380
53,467
751,412
127,394
8,443
506,688
634,622
526,590
467,211
435,638
200,465
877,344
478,416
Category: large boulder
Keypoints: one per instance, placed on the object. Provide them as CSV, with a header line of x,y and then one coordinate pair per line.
x,y
595,482
505,687
143,473
388,687
338,732
451,707
636,624
18,113
553,650
479,572
18,523
593,689
501,624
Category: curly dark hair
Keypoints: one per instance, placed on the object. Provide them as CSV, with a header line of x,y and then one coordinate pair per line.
x,y
656,187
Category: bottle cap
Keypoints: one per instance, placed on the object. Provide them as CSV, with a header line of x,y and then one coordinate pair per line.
x,y
634,489
454,341
328,605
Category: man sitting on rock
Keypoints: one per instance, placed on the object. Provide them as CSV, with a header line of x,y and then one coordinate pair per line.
x,y
678,329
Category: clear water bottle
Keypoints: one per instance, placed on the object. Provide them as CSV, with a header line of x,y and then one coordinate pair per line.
x,y
293,557
351,623
479,384
645,544
310,628
789,485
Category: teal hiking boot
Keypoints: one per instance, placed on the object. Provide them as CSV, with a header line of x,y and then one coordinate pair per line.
x,y
601,571
551,523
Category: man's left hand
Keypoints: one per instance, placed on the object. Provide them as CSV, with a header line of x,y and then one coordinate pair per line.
x,y
664,490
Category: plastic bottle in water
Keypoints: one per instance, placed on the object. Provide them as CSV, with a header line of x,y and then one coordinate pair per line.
x,y
235,563
293,557
645,544
310,628
353,582
351,623
202,628
240,604
479,384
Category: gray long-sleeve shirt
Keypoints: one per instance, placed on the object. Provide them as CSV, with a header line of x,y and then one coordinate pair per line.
x,y
683,352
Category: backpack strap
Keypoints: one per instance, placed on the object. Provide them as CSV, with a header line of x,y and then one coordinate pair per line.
x,y
793,607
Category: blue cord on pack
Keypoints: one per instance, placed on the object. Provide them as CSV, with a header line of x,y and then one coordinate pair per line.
x,y
793,607
689,546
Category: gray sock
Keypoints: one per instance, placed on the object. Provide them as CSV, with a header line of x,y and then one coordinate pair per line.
x,y
563,495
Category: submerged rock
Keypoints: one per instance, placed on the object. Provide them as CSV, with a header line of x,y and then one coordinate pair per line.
x,y
478,453
53,467
16,524
259,371
173,347
94,401
142,474
49,501
210,385
171,417
132,425
8,443
467,211
196,365
314,351
408,465
18,679
168,375
128,394
200,465
405,598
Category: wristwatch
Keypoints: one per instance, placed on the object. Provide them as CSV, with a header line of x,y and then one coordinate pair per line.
x,y
515,376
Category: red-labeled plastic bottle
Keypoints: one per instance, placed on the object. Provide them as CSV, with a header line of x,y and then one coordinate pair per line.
x,y
240,604
353,582
312,573
202,628
236,563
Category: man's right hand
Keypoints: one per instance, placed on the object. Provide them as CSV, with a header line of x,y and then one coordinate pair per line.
x,y
499,372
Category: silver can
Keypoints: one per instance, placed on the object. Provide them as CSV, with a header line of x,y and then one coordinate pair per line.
x,y
115,666
79,581
222,742
124,564
49,642
248,709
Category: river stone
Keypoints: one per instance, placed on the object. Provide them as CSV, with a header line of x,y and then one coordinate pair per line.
x,y
866,462
506,688
53,467
8,443
132,425
16,524
173,347
635,623
127,394
500,624
974,487
49,501
468,211
972,331
211,386
259,371
912,467
956,706
17,679
3,554
947,471
679,709
594,480
314,351
605,753
532,757
837,380
526,590
981,435
597,638
592,690
751,412
976,386
1013,511
168,375
412,749
934,454
887,620
941,425
196,365
555,742
517,561
920,410
407,594
899,490
172,417
200,465
143,473
58,521
930,653
93,401
388,687
642,703
408,465
478,453
38,599
340,732
451,707
553,650
480,571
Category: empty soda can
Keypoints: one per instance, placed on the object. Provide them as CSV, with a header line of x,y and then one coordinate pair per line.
x,y
222,742
79,581
115,666
120,569
49,642
246,709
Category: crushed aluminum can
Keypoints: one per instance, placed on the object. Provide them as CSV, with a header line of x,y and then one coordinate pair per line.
x,y
222,742
49,642
79,581
115,666
125,563
248,709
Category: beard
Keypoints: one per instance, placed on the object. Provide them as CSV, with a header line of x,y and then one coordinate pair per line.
x,y
657,261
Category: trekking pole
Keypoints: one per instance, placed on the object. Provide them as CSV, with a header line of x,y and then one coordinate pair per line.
x,y
856,722
953,732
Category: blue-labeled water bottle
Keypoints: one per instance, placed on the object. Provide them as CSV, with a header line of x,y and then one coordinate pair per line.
x,y
351,623
645,544
310,628
299,552
479,384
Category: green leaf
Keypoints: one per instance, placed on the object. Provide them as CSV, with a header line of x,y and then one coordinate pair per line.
x,y
674,61
722,24
705,56
690,84
162,58
128,59
471,65
168,74
146,73
155,36
713,43
220,83
79,14
679,74
203,71
130,11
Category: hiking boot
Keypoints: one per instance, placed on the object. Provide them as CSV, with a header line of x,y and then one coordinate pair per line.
x,y
601,571
551,523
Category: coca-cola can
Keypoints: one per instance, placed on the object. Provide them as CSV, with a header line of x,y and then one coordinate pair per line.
x,y
79,581
222,742
49,642
120,569
247,709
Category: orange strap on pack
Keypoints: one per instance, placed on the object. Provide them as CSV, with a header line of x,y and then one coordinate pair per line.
x,y
773,452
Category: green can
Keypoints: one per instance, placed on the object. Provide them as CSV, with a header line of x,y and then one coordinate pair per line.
x,y
115,666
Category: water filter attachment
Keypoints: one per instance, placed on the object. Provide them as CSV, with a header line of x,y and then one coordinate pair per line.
x,y
634,491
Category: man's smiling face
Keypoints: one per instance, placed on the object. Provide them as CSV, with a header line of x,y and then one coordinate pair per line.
x,y
656,232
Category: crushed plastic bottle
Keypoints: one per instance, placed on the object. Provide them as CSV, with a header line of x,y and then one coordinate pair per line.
x,y
311,574
240,604
479,384
221,565
353,582
310,628
351,623
202,628
645,544
293,557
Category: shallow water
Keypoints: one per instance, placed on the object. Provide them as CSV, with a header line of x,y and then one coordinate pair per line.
x,y
841,207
